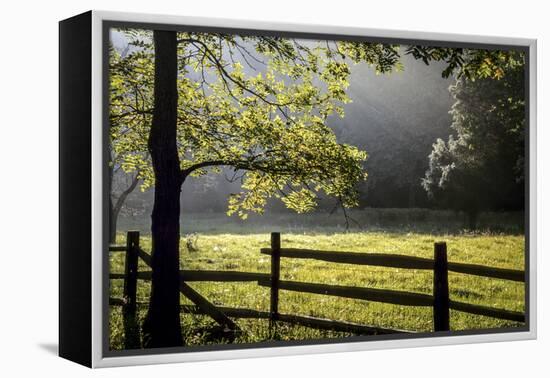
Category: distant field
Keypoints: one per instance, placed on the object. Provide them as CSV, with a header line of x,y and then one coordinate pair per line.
x,y
241,252
368,219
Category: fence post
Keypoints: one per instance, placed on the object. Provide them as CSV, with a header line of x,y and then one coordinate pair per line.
x,y
275,274
131,329
441,288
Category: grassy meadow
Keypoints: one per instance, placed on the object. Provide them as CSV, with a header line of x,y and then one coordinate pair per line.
x,y
241,252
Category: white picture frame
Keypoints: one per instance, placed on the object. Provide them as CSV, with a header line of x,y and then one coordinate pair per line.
x,y
99,357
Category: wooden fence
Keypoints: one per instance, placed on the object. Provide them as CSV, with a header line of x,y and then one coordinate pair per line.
x,y
439,301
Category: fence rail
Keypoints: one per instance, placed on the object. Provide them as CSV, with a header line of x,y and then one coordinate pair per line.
x,y
204,276
439,300
487,311
397,261
375,295
117,248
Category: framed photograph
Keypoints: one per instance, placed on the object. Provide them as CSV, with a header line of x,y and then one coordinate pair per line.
x,y
235,189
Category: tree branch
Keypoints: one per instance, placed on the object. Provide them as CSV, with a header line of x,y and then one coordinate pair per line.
x,y
122,197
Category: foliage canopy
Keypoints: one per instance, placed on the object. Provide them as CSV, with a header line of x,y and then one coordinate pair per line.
x,y
481,166
256,104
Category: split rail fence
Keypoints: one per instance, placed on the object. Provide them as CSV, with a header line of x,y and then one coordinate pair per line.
x,y
439,301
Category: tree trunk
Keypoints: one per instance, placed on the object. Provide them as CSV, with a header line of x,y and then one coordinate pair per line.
x,y
113,216
112,219
162,326
116,207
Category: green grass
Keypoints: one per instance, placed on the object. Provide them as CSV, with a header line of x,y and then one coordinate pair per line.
x,y
242,253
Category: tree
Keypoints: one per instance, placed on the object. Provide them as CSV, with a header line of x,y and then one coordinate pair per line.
x,y
125,184
481,165
162,326
469,63
129,122
208,113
